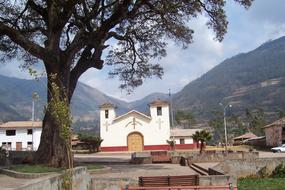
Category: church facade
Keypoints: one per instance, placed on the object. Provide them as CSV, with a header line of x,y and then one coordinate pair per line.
x,y
135,131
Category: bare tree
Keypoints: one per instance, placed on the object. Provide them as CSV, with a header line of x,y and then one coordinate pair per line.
x,y
69,36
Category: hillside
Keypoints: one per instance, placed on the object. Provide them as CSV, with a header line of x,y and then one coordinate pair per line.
x,y
16,100
248,80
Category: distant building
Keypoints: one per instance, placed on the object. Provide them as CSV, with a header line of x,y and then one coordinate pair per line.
x,y
20,135
135,131
240,139
183,138
275,133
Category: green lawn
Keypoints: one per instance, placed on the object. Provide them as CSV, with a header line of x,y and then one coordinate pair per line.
x,y
33,169
261,184
94,167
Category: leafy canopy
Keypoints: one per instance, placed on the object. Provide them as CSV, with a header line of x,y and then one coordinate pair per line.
x,y
73,35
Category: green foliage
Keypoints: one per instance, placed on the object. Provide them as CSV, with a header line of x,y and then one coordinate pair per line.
x,y
261,183
256,120
185,118
202,136
91,142
34,169
279,171
281,113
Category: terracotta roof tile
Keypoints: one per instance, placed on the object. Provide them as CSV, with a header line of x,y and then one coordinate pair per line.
x,y
21,124
248,135
176,132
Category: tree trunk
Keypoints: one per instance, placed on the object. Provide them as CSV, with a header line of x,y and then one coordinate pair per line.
x,y
52,150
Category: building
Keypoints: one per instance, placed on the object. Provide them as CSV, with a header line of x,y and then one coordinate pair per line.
x,y
183,138
20,135
240,139
135,131
275,133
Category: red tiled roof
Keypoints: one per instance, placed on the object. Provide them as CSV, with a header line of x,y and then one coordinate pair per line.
x,y
22,124
276,123
248,135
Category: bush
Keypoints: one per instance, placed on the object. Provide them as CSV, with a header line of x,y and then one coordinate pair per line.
x,y
90,142
279,171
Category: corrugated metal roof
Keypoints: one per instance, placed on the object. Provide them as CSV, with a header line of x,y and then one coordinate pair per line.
x,y
176,132
22,124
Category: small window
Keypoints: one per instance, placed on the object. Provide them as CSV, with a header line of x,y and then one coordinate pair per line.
x,y
182,141
3,144
29,142
10,132
106,114
29,131
159,111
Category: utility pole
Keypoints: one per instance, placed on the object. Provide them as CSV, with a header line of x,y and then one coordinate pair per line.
x,y
225,125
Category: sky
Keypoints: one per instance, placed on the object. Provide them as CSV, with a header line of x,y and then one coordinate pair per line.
x,y
247,29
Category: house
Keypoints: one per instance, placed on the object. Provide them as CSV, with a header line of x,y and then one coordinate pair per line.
x,y
136,131
183,138
240,139
275,133
20,135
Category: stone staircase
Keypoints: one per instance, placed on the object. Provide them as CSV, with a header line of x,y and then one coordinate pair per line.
x,y
200,170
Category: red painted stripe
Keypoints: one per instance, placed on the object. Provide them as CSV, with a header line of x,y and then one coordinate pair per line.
x,y
114,148
151,147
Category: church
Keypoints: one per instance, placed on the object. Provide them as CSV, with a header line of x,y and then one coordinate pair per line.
x,y
136,131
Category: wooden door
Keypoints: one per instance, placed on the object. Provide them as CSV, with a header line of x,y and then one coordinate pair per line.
x,y
18,146
135,142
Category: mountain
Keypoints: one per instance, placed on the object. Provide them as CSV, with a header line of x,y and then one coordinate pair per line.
x,y
247,80
16,100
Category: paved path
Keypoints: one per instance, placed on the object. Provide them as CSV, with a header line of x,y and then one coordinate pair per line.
x,y
103,158
134,171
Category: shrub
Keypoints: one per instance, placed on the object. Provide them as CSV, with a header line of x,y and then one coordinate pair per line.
x,y
279,171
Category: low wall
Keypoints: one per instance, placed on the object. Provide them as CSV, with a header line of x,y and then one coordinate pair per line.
x,y
217,180
243,168
111,184
221,156
81,181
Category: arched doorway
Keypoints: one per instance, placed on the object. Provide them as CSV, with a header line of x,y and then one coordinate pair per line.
x,y
135,142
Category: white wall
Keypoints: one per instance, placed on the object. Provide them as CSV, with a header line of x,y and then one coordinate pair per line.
x,y
187,140
21,136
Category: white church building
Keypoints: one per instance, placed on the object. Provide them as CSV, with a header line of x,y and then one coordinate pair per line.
x,y
135,131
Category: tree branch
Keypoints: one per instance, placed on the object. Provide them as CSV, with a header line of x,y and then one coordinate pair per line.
x,y
22,41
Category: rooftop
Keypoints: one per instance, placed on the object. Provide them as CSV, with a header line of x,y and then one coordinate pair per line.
x,y
176,132
22,124
248,135
276,123
159,102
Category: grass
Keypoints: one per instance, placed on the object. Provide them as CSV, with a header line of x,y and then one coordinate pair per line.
x,y
33,169
261,184
94,167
